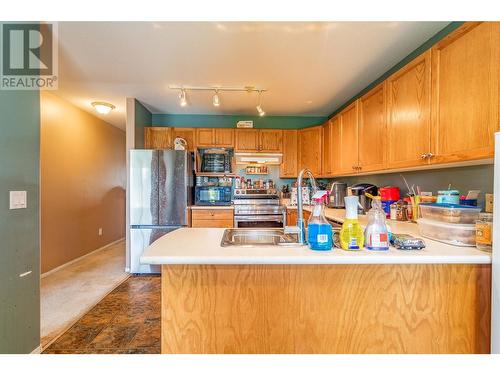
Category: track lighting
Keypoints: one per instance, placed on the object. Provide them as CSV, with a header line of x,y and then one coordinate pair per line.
x,y
216,99
259,107
182,97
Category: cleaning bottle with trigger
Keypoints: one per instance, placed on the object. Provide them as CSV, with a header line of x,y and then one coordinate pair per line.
x,y
376,231
319,230
351,234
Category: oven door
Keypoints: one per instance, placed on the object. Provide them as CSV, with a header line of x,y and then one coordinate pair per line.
x,y
259,221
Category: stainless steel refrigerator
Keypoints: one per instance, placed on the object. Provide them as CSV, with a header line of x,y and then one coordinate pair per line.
x,y
161,189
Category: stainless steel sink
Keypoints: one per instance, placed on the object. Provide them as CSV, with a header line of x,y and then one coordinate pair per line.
x,y
259,237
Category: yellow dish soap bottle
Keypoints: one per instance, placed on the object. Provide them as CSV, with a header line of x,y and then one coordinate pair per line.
x,y
352,236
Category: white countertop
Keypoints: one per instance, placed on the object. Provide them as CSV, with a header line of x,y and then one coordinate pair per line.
x,y
202,246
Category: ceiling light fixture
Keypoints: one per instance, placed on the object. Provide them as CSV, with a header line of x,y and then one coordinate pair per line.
x,y
259,107
102,107
182,96
216,99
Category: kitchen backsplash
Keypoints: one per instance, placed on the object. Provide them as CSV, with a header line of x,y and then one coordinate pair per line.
x,y
479,177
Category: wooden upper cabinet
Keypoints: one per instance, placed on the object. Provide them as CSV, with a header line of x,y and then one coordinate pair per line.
x,y
189,134
224,137
465,75
310,149
409,114
335,145
289,162
270,140
326,154
205,137
157,137
348,154
372,130
247,140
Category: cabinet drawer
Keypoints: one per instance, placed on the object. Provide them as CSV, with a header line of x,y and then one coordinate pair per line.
x,y
213,223
212,214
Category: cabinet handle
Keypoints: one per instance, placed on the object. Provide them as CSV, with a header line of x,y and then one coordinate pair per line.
x,y
424,156
430,155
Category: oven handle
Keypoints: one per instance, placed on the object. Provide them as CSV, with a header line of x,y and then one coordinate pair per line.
x,y
279,218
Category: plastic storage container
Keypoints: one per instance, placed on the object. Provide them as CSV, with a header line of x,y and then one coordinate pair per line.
x,y
449,213
453,234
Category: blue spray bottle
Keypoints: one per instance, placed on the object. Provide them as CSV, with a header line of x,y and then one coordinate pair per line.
x,y
319,230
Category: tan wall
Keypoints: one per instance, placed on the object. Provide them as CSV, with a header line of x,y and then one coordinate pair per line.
x,y
83,178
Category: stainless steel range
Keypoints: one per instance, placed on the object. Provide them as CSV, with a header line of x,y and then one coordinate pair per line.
x,y
258,208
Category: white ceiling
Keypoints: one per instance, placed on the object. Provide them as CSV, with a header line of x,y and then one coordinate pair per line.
x,y
308,68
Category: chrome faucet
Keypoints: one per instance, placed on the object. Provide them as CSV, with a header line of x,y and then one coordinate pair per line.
x,y
300,211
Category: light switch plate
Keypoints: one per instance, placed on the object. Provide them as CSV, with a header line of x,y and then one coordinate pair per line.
x,y
18,199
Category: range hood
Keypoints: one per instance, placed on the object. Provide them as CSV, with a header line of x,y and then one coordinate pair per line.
x,y
245,158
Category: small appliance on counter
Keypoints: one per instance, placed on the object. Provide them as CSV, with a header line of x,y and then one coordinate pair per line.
x,y
365,202
338,191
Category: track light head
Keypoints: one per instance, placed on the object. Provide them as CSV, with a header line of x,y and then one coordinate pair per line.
x,y
259,107
216,99
182,98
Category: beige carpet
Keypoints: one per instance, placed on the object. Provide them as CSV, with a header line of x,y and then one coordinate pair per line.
x,y
70,292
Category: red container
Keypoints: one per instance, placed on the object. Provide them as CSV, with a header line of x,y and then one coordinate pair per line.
x,y
389,193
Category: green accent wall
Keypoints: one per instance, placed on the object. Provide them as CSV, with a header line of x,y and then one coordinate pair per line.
x,y
19,229
229,121
424,47
143,118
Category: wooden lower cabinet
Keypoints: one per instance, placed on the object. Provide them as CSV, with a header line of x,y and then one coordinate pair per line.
x,y
291,216
338,308
212,218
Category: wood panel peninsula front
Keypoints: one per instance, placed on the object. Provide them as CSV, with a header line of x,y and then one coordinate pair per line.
x,y
293,300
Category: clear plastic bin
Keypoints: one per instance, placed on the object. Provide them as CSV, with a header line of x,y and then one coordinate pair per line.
x,y
449,213
453,234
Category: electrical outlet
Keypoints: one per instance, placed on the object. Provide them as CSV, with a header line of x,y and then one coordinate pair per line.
x,y
100,231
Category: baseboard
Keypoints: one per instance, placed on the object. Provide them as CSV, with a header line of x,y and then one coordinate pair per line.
x,y
80,258
37,350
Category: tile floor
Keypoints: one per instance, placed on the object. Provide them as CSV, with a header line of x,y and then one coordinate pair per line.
x,y
126,321
70,292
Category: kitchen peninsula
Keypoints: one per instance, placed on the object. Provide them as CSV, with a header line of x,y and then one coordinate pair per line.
x,y
293,300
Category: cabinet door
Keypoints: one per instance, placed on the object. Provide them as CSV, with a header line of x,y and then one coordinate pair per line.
x,y
224,137
326,154
188,134
372,131
291,217
270,140
409,114
465,77
157,137
348,155
289,161
310,149
205,137
335,145
247,140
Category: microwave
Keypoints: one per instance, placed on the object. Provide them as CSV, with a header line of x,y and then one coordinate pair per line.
x,y
213,195
216,160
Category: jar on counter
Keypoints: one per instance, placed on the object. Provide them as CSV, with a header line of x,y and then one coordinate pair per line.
x,y
394,211
484,231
